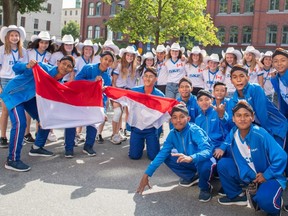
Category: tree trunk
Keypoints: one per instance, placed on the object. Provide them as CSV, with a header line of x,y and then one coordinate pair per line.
x,y
10,9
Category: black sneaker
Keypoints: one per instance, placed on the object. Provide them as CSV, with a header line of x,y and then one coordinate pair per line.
x,y
40,152
29,139
189,183
18,166
4,142
205,195
99,139
285,208
221,192
239,200
89,151
69,154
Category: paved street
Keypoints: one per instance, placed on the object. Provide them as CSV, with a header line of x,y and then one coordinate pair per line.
x,y
101,185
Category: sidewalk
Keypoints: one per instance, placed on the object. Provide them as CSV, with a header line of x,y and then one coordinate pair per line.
x,y
101,185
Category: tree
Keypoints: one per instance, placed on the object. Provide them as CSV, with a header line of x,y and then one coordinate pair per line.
x,y
11,7
165,20
72,28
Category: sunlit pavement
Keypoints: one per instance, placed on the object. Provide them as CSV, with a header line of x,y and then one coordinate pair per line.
x,y
101,185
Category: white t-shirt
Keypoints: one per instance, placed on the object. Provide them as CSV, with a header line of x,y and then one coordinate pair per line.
x,y
227,80
162,73
175,70
195,74
268,87
35,55
210,78
127,82
81,62
253,74
8,60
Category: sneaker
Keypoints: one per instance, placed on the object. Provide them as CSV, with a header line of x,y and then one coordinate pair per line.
x,y
122,136
205,195
18,166
285,208
80,138
240,200
40,152
89,151
189,183
116,139
99,139
69,154
52,137
127,133
29,139
221,192
4,142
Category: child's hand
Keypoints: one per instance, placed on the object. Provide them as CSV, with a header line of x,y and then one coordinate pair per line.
x,y
31,63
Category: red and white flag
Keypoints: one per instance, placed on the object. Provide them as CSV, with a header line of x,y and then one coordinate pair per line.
x,y
145,111
72,104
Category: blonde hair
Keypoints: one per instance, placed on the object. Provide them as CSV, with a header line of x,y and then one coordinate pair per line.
x,y
124,70
253,62
226,63
7,45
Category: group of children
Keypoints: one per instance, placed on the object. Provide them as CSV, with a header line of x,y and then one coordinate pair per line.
x,y
225,123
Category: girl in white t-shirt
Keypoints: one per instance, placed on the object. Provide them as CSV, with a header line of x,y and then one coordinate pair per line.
x,y
10,53
194,68
175,69
148,61
162,74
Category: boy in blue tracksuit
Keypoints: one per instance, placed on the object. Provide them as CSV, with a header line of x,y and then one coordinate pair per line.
x,y
19,96
150,134
256,159
194,154
266,114
92,72
280,84
214,121
185,88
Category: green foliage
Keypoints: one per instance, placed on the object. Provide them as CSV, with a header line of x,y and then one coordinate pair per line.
x,y
72,28
165,20
25,6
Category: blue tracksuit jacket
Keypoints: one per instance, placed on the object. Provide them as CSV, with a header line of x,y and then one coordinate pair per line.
x,y
192,141
216,128
192,107
267,115
267,155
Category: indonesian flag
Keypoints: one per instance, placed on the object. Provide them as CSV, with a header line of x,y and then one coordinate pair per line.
x,y
72,104
145,111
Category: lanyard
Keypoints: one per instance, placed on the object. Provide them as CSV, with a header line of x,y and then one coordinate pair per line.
x,y
211,82
266,77
14,59
37,53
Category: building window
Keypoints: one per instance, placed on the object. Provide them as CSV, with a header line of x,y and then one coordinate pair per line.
x,y
249,6
36,32
89,32
285,35
65,13
113,8
91,9
76,12
247,35
65,22
98,9
235,6
233,36
223,6
221,34
48,24
119,36
97,32
274,5
22,21
286,5
271,34
71,13
36,23
49,6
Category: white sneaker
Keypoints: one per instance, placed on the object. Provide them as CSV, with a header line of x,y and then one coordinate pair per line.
x,y
52,137
122,136
116,139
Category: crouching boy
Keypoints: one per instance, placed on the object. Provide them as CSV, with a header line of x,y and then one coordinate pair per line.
x,y
257,159
192,154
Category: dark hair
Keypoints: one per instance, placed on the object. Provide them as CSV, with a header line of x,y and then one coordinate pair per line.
x,y
35,45
180,108
107,52
74,51
280,51
151,70
203,92
238,67
141,68
242,104
69,58
219,83
185,79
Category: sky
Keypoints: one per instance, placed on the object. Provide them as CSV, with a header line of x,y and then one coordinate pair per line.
x,y
68,3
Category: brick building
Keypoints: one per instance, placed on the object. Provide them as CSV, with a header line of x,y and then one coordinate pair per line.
x,y
261,23
94,14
